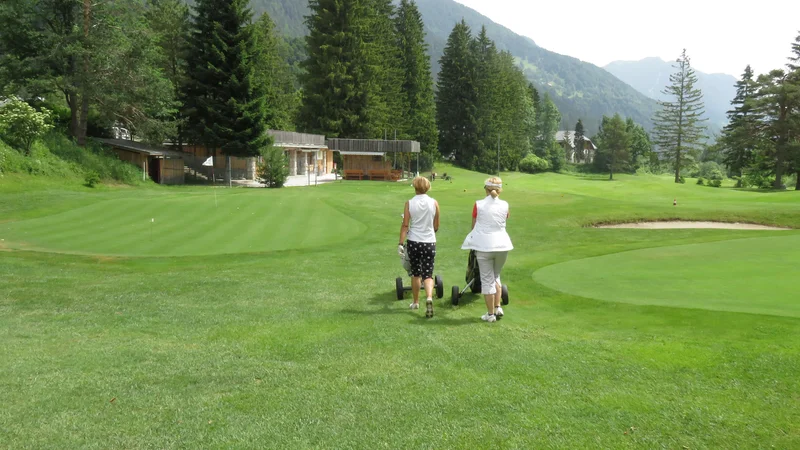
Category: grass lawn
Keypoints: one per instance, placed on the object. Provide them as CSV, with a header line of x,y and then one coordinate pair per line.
x,y
269,321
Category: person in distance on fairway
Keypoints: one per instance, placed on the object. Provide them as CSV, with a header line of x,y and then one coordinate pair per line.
x,y
420,224
491,243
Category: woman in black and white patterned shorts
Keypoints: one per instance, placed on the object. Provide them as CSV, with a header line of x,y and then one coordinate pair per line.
x,y
420,224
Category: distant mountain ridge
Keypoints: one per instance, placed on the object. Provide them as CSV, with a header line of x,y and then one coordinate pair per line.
x,y
579,89
651,75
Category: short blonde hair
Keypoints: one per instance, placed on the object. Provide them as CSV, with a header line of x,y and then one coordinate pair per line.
x,y
493,186
421,185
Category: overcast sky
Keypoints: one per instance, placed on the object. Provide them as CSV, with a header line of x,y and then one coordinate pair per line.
x,y
714,35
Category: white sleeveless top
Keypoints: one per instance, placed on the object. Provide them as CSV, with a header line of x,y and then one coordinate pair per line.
x,y
489,234
420,226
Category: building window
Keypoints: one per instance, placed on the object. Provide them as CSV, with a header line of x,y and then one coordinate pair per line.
x,y
377,158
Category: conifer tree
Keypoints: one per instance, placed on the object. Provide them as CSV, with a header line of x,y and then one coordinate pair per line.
x,y
741,136
417,84
336,91
679,124
613,142
273,74
778,101
549,119
580,142
226,109
456,102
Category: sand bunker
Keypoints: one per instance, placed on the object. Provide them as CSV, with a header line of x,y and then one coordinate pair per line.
x,y
679,224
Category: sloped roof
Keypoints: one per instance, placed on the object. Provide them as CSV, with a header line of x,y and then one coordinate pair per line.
x,y
138,147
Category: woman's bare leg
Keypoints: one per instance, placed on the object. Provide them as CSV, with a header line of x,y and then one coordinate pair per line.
x,y
415,285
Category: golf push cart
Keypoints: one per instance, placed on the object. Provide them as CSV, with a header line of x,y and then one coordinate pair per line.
x,y
438,284
473,280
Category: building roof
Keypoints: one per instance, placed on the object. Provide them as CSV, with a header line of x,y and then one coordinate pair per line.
x,y
561,136
291,139
138,147
365,146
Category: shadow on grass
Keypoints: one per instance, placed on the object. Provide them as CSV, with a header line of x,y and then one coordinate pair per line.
x,y
387,304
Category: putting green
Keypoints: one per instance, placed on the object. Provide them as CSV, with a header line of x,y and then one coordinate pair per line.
x,y
187,224
757,275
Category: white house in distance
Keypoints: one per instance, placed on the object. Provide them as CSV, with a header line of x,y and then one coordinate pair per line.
x,y
567,140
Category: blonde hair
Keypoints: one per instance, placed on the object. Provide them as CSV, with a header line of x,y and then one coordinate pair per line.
x,y
421,185
493,186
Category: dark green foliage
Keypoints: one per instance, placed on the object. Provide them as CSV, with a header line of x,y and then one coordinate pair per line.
x,y
417,85
741,136
710,170
336,80
273,72
641,147
715,183
580,141
613,142
548,120
700,181
533,164
226,108
679,126
778,103
457,99
273,169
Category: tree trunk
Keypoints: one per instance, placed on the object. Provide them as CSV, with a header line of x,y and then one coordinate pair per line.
x,y
72,102
797,186
84,118
228,170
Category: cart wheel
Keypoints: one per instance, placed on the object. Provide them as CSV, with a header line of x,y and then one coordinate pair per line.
x,y
399,287
439,284
456,292
504,294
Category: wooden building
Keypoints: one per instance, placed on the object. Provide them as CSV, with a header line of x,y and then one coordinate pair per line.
x,y
162,166
373,159
307,152
567,140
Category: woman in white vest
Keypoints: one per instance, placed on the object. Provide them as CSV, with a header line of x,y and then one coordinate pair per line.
x,y
420,224
491,243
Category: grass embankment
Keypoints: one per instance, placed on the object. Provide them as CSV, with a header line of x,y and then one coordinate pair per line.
x,y
297,341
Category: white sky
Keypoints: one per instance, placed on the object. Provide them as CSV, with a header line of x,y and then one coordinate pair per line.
x,y
715,35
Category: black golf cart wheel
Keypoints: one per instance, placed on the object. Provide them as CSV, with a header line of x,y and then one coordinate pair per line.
x,y
399,287
455,293
504,295
439,284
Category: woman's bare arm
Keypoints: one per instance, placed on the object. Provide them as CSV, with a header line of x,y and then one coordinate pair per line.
x,y
436,218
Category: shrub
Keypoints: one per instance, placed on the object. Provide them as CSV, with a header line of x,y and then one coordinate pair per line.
x,y
758,179
711,170
21,124
715,183
700,181
682,180
533,164
274,167
91,179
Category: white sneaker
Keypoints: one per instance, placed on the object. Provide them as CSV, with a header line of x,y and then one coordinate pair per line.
x,y
414,306
489,318
498,312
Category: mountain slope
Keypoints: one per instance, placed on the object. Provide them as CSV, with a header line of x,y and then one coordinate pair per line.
x,y
651,75
581,90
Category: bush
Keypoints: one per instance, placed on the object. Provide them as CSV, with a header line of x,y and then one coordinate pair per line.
x,y
91,179
758,179
274,167
700,181
93,157
682,180
711,170
533,164
715,183
21,124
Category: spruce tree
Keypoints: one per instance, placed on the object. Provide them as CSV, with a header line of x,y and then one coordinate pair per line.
x,y
456,102
385,70
613,142
679,124
226,109
778,101
417,85
273,74
741,136
487,84
547,127
580,142
336,91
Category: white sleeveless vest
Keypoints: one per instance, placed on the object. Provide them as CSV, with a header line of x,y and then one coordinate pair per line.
x,y
489,234
420,226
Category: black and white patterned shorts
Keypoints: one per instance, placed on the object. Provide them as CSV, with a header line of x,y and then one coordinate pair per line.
x,y
421,255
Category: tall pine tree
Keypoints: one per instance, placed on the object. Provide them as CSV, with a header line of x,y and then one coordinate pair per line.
x,y
741,136
613,142
580,142
336,91
778,102
273,74
456,102
417,85
679,126
227,108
